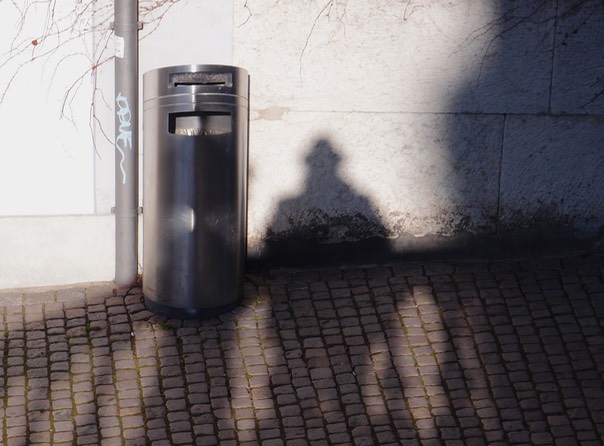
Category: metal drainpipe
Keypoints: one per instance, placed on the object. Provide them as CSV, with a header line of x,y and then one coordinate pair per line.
x,y
126,28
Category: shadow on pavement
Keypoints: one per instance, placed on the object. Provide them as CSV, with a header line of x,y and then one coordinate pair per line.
x,y
497,352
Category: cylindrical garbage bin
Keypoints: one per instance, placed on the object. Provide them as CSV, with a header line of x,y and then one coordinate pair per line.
x,y
195,136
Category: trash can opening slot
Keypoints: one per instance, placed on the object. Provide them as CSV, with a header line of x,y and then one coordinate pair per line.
x,y
199,123
201,78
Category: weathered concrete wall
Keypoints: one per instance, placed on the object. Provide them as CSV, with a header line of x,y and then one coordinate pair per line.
x,y
420,121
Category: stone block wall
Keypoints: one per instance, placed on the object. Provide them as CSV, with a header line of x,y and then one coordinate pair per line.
x,y
422,124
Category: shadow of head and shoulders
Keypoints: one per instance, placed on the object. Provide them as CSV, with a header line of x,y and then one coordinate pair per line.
x,y
328,221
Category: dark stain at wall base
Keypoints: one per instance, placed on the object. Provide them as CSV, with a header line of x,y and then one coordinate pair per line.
x,y
300,248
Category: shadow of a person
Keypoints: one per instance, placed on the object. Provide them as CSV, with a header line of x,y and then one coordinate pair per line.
x,y
328,222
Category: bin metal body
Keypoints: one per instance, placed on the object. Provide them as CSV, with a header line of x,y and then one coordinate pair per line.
x,y
195,129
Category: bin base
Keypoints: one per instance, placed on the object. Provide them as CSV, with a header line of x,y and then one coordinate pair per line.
x,y
186,313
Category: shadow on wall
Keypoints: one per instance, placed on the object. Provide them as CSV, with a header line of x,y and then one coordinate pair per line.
x,y
526,130
329,221
523,171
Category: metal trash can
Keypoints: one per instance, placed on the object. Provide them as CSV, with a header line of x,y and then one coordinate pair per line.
x,y
195,136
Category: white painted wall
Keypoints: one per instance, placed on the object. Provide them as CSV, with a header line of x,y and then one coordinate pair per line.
x,y
46,161
56,172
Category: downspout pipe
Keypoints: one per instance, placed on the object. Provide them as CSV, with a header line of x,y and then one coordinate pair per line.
x,y
126,29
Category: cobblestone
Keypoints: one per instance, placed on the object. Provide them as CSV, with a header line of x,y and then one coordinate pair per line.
x,y
452,352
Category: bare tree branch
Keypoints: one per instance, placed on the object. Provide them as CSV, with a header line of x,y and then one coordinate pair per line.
x,y
80,20
325,11
249,14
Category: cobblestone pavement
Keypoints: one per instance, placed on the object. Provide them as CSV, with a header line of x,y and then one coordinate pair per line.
x,y
453,353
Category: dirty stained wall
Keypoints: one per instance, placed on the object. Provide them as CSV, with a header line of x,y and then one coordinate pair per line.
x,y
420,122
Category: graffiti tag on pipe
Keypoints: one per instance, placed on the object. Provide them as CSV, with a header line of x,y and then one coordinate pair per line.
x,y
124,139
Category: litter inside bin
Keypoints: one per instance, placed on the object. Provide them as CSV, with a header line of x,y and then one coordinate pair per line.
x,y
200,123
